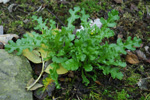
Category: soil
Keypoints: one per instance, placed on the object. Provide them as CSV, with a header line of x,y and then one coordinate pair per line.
x,y
134,21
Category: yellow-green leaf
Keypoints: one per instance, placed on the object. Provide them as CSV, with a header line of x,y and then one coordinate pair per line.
x,y
47,81
33,56
60,70
43,52
29,33
54,31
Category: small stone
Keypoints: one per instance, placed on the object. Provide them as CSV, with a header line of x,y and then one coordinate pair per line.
x,y
1,30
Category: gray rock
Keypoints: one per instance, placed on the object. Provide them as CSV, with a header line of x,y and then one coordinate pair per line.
x,y
1,30
15,72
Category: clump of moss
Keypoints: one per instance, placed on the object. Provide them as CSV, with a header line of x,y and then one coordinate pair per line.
x,y
133,79
90,5
123,95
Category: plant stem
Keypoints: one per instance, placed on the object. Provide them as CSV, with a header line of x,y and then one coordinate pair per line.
x,y
29,87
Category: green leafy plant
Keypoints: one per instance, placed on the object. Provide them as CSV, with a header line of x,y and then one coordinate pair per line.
x,y
123,95
85,51
90,6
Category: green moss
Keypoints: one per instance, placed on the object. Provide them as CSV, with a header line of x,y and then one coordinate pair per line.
x,y
90,5
133,79
95,96
140,13
123,95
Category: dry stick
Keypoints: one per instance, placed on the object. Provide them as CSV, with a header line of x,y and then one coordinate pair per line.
x,y
56,17
29,87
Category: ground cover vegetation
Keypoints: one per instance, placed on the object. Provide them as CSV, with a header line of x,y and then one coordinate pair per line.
x,y
94,53
81,51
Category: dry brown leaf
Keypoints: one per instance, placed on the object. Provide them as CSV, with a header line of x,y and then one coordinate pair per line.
x,y
5,38
132,58
141,54
143,83
118,1
99,83
147,49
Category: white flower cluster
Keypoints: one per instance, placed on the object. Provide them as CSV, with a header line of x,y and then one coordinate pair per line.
x,y
96,22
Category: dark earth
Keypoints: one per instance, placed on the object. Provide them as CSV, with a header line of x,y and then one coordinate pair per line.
x,y
134,21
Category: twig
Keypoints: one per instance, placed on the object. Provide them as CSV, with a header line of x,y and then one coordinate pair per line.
x,y
56,17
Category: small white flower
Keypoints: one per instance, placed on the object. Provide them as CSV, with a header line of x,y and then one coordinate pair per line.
x,y
96,22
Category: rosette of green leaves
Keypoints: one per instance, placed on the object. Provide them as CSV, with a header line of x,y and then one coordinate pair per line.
x,y
83,51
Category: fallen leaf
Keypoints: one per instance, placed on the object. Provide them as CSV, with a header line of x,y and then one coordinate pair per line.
x,y
132,58
99,83
143,83
10,8
60,70
36,86
5,38
33,56
141,54
118,1
43,52
147,49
